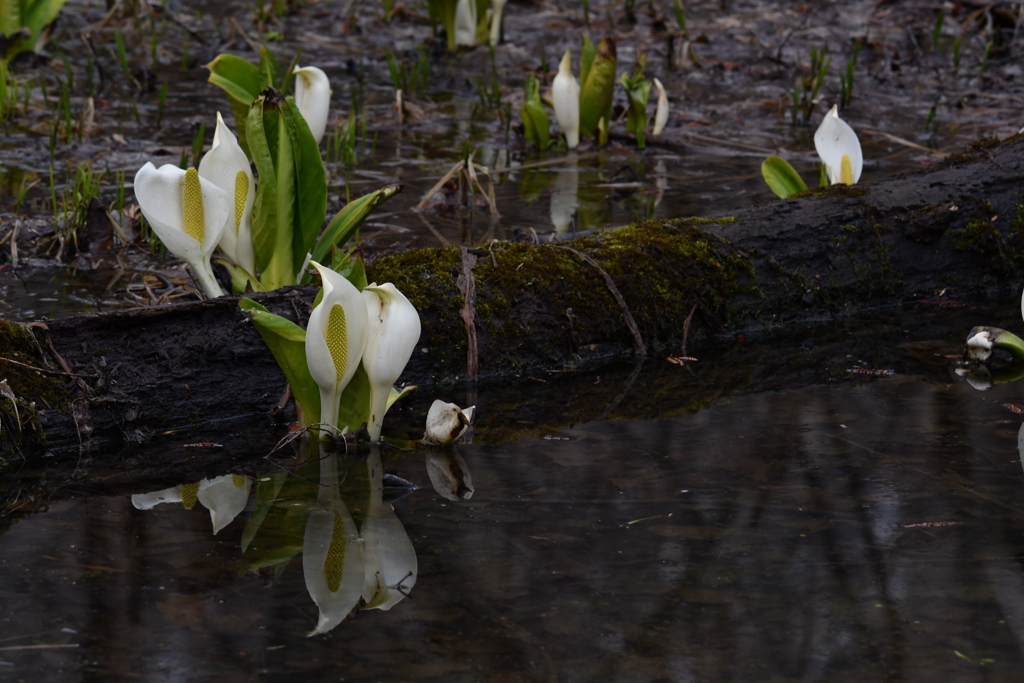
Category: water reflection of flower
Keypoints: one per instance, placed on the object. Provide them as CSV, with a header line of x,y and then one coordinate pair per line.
x,y
225,497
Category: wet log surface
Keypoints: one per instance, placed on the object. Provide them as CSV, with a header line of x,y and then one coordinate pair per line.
x,y
953,230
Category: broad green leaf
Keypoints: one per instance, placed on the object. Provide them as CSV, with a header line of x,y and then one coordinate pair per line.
x,y
242,82
264,210
536,124
38,13
587,53
781,177
347,221
310,185
355,401
267,489
598,90
287,341
394,396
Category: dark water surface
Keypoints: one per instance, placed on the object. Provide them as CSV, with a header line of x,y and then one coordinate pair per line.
x,y
857,532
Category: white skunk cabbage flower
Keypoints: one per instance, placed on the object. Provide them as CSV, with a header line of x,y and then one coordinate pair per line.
x,y
565,96
497,10
465,23
390,560
225,497
449,474
564,199
839,149
187,213
979,347
1020,444
335,338
313,98
393,330
446,422
227,167
332,556
661,113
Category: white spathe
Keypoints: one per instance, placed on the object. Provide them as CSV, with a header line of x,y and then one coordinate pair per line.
x,y
446,422
162,194
465,23
497,10
335,339
332,553
565,199
392,332
390,560
227,167
313,98
565,97
979,347
449,474
661,113
225,497
839,149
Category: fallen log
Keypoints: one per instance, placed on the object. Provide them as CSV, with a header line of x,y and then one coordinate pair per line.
x,y
955,229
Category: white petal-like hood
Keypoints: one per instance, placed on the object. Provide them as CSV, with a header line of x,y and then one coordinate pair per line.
x,y
565,96
392,332
833,139
313,98
446,422
465,23
661,113
221,166
319,357
332,553
225,497
390,560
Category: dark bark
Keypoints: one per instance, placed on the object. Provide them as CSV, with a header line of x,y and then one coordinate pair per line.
x,y
956,228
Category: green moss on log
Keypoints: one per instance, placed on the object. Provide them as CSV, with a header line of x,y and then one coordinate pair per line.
x,y
540,304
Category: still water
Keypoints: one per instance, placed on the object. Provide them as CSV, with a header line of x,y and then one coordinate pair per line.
x,y
870,529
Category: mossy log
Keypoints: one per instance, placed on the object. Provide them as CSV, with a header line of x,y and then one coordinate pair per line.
x,y
955,229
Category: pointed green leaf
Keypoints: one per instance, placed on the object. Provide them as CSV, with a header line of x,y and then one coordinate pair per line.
x,y
587,53
781,177
597,92
310,185
269,69
536,124
287,341
350,266
242,83
348,220
638,90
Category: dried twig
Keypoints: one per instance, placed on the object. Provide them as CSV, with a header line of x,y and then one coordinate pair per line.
x,y
467,285
626,313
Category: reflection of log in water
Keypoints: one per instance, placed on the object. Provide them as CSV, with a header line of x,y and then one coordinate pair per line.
x,y
954,229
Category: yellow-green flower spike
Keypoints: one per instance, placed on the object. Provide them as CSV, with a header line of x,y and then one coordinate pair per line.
x,y
846,171
334,565
238,480
192,206
337,340
241,194
189,495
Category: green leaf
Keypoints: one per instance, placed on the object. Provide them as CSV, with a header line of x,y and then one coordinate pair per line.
x,y
781,177
287,341
536,124
267,489
242,82
350,266
598,90
587,53
355,401
310,185
264,210
443,12
347,221
269,68
241,279
638,89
